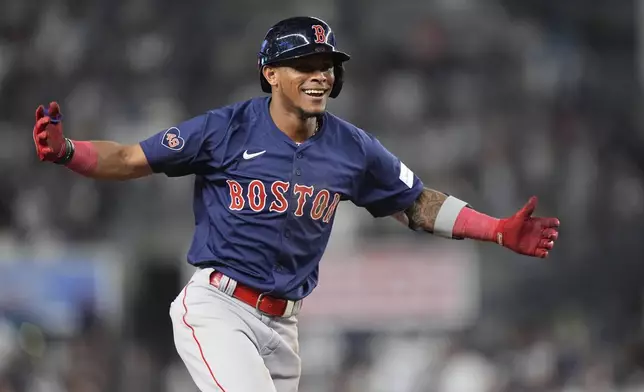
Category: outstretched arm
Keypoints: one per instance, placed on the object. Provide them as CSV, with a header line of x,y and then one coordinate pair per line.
x,y
106,160
438,213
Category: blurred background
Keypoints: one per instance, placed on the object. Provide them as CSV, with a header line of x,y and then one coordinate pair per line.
x,y
489,100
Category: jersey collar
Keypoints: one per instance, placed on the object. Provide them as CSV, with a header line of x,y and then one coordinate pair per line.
x,y
281,135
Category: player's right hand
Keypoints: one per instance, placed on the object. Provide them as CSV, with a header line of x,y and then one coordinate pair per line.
x,y
48,133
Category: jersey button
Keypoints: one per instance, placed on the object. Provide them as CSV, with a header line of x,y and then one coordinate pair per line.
x,y
300,155
298,172
287,233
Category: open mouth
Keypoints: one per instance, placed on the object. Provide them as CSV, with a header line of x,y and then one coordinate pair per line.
x,y
316,93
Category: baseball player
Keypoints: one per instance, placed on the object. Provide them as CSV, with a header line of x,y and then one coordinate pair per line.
x,y
269,174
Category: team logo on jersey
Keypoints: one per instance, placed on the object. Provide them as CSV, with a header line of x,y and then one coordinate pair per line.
x,y
255,197
172,139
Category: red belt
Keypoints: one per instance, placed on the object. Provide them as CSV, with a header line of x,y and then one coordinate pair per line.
x,y
266,304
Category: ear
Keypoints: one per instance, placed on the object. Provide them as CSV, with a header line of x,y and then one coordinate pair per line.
x,y
270,73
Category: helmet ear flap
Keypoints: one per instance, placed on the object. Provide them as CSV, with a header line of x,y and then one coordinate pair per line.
x,y
338,71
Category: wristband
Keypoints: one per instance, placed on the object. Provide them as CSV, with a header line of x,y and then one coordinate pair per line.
x,y
446,218
84,159
477,226
69,153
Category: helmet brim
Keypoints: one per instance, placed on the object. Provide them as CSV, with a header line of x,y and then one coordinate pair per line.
x,y
308,50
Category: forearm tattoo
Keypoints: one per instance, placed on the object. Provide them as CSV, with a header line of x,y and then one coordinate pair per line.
x,y
422,214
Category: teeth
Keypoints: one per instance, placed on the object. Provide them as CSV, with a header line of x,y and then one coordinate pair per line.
x,y
320,92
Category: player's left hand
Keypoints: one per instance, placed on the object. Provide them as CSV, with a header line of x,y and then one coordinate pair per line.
x,y
526,234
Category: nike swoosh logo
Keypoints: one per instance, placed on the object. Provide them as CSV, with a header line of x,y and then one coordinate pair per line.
x,y
253,155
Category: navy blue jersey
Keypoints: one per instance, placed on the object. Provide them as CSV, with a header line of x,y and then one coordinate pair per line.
x,y
264,205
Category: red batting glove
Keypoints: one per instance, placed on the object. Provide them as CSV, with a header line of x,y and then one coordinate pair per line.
x,y
528,235
48,133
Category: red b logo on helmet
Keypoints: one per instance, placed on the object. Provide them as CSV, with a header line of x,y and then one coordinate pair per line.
x,y
320,34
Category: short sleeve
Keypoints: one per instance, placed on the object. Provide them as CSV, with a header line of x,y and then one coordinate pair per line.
x,y
182,149
388,185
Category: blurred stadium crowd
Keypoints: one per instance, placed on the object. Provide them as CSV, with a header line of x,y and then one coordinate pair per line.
x,y
491,100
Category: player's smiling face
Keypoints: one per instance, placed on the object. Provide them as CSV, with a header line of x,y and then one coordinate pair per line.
x,y
305,83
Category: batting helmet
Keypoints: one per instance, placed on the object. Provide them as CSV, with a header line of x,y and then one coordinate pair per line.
x,y
298,37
